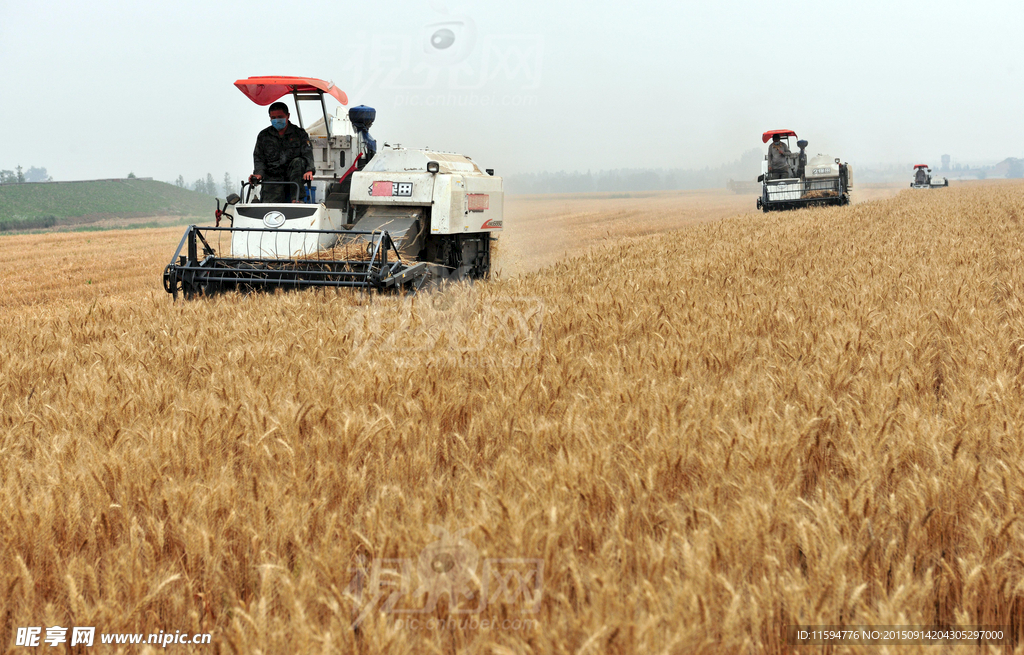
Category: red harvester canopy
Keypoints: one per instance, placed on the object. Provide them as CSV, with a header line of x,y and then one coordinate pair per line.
x,y
921,166
767,136
265,89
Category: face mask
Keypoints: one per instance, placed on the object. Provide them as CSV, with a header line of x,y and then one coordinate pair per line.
x,y
278,123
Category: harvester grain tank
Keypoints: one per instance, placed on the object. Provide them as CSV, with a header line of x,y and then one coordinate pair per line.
x,y
923,178
791,180
412,217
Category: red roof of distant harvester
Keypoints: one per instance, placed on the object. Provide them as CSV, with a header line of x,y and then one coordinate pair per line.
x,y
922,166
265,89
766,137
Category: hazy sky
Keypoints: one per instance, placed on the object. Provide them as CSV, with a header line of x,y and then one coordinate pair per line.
x,y
100,89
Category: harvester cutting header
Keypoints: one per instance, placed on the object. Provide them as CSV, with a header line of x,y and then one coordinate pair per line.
x,y
789,180
409,216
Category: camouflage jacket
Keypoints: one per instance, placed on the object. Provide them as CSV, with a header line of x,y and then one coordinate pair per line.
x,y
778,155
273,151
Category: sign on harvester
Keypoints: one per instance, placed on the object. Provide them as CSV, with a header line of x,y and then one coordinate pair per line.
x,y
402,189
478,202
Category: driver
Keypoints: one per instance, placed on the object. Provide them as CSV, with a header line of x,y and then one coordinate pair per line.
x,y
283,154
921,177
778,158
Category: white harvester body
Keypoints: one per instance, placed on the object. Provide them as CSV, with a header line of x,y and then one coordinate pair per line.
x,y
462,198
393,192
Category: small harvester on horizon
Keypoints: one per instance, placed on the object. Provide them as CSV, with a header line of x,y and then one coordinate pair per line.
x,y
923,178
393,219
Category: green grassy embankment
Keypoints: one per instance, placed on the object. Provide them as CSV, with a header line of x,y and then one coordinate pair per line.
x,y
53,204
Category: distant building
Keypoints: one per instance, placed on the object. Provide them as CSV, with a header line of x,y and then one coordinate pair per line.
x,y
945,162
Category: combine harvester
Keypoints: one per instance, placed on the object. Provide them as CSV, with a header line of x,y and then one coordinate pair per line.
x,y
789,181
923,179
391,220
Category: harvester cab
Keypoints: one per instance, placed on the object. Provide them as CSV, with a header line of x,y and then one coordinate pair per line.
x,y
923,178
790,180
382,219
341,143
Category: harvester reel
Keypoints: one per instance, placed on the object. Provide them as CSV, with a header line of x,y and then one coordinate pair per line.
x,y
212,272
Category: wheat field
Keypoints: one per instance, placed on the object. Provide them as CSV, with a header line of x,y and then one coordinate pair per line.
x,y
691,427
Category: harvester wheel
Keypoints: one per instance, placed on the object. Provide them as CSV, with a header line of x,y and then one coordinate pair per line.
x,y
171,282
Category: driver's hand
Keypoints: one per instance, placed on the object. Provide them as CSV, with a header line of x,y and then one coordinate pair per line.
x,y
308,175
255,177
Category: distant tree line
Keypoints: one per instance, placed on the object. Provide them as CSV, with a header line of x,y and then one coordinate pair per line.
x,y
208,186
34,174
747,167
19,176
1016,168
